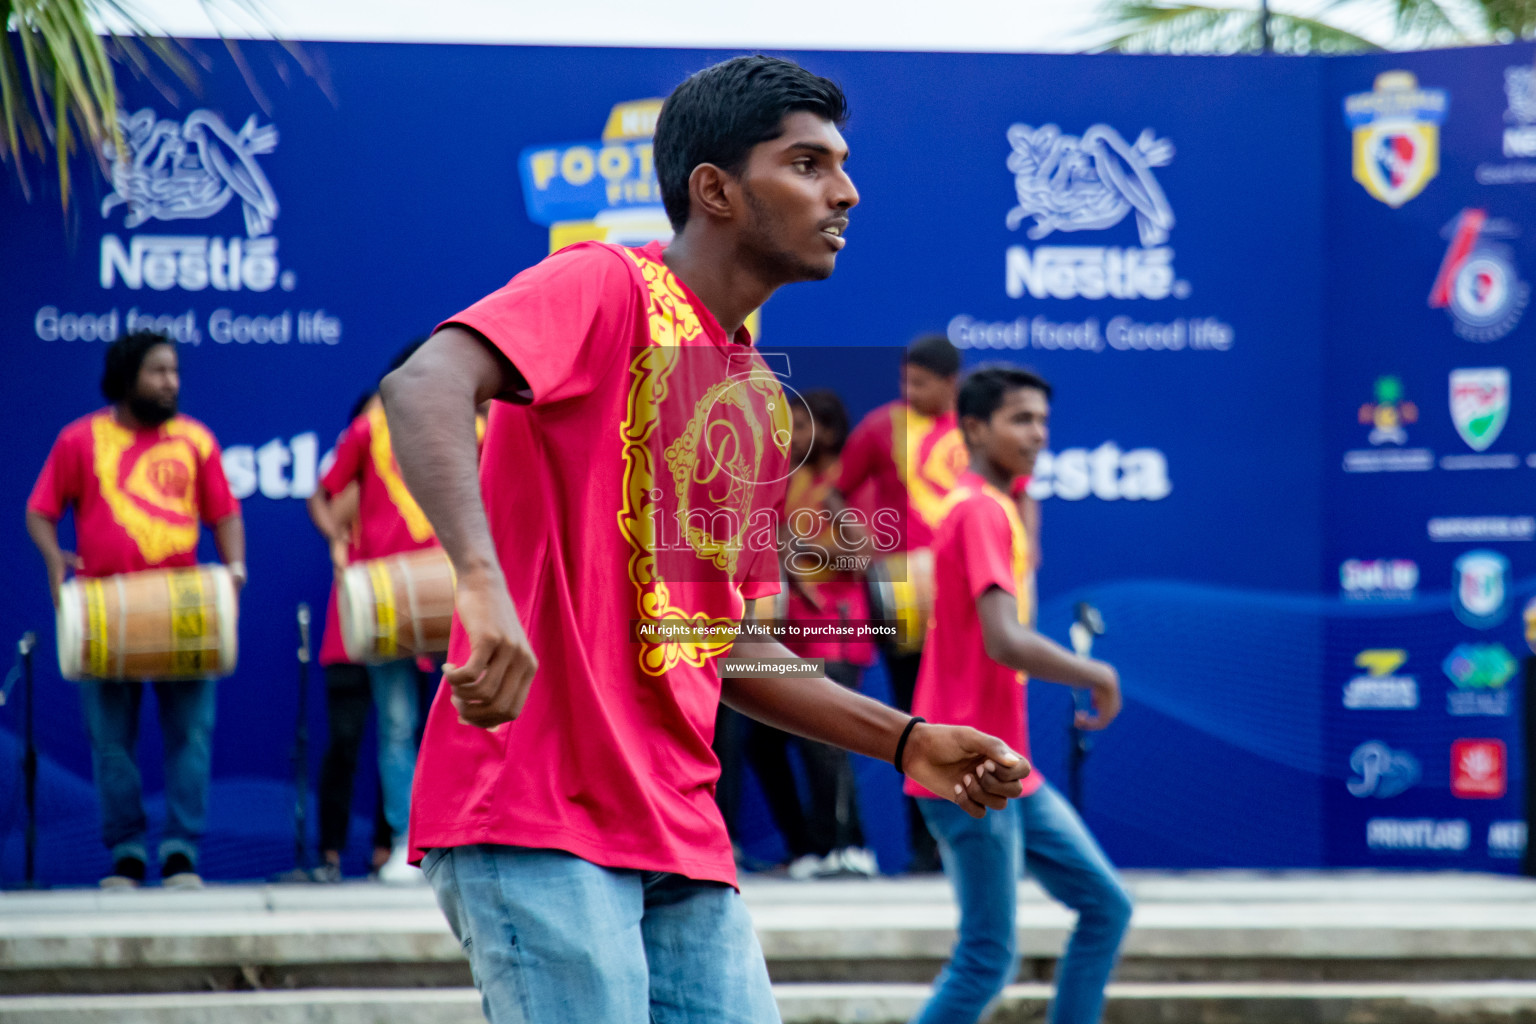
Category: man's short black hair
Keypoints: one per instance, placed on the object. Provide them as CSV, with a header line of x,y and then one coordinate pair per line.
x,y
986,386
717,115
934,353
829,415
125,356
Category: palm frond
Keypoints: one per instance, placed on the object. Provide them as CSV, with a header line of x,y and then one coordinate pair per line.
x,y
1155,26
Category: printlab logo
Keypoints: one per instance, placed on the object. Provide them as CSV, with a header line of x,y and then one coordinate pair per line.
x,y
1479,404
1387,415
1479,769
1396,129
1382,772
1479,589
1479,673
1069,183
1381,688
1478,284
191,170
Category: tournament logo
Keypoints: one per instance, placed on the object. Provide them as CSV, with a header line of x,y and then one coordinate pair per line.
x,y
1478,284
1093,182
1479,769
1396,130
1387,415
1381,688
191,170
1479,590
1479,673
1381,772
1479,404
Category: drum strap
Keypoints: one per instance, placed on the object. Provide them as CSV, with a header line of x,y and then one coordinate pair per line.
x,y
383,610
95,629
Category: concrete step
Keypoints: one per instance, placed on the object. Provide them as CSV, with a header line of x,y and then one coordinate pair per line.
x,y
1235,927
1268,1003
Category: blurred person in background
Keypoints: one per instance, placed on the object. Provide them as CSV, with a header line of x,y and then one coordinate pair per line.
x,y
905,456
140,476
824,589
389,521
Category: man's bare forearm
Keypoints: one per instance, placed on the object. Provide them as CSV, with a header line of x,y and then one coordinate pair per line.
x,y
229,538
815,708
430,403
1010,642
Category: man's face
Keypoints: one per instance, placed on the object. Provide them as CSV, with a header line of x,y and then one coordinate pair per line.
x,y
797,199
1019,428
926,391
158,385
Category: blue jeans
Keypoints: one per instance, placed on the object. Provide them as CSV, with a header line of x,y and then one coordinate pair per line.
x,y
554,939
394,695
186,722
985,859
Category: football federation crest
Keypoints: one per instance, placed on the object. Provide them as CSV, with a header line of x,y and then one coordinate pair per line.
x,y
1477,282
1479,593
1479,404
1396,130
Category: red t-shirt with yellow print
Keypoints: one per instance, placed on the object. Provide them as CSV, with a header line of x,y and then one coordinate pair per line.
x,y
138,495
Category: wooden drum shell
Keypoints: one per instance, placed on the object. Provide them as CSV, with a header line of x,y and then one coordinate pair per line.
x,y
151,625
396,607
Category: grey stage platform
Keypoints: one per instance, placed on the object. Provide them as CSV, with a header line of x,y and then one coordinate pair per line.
x,y
1208,948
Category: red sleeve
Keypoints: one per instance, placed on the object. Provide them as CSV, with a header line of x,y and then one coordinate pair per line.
x,y
214,500
761,578
860,455
987,546
58,485
560,320
351,451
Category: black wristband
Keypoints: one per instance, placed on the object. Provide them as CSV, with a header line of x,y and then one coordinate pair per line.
x,y
901,744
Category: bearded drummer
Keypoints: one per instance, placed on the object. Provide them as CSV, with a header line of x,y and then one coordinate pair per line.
x,y
905,456
140,478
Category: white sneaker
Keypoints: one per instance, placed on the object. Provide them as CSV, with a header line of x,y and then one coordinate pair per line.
x,y
806,867
856,861
399,870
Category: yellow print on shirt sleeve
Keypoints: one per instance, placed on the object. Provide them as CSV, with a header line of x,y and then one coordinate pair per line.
x,y
672,321
388,470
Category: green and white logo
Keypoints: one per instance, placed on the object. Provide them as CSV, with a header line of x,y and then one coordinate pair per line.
x,y
1480,404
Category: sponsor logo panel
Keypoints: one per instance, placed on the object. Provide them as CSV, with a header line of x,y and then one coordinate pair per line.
x,y
1379,579
1479,673
1381,772
1396,136
1479,588
1388,416
1478,284
1381,688
1479,769
1449,835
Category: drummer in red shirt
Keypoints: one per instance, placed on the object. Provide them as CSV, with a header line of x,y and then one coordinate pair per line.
x,y
140,478
389,522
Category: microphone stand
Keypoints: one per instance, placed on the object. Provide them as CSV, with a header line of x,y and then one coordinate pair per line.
x,y
301,749
29,756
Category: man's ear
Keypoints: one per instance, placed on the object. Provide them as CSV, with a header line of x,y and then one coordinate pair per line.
x,y
713,192
970,429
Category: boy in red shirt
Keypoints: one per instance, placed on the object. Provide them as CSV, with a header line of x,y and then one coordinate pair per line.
x,y
624,513
980,645
141,477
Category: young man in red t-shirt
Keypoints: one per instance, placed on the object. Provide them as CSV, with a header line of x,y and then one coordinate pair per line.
x,y
624,513
140,478
980,645
904,457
